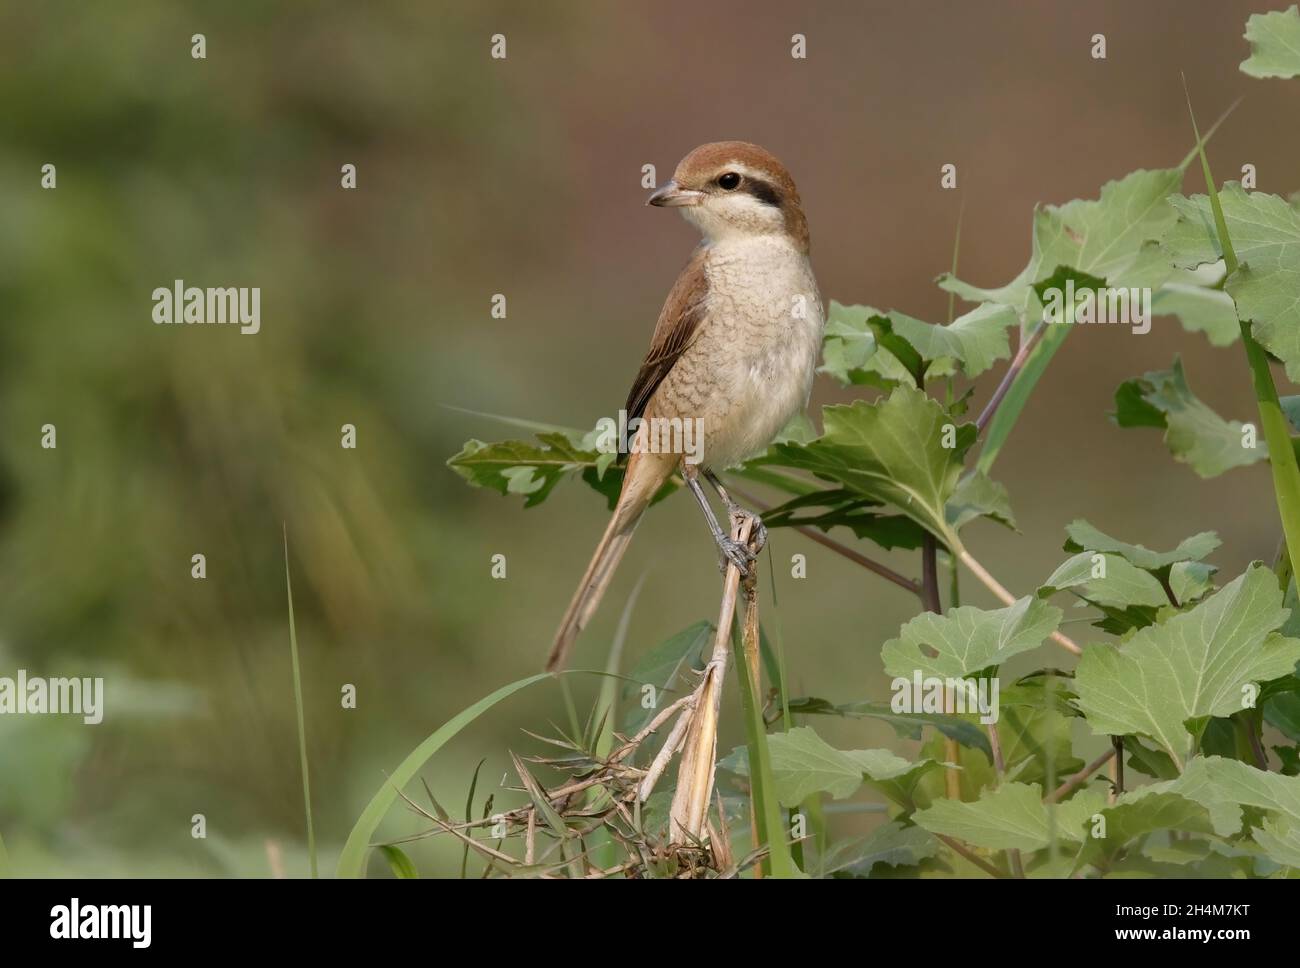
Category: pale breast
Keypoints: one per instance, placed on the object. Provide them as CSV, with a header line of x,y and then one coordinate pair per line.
x,y
751,366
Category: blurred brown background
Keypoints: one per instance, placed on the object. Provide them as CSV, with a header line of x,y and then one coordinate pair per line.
x,y
478,176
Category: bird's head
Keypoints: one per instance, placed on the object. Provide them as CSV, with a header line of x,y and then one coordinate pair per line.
x,y
733,188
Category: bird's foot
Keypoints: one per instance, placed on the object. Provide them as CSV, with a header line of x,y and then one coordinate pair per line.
x,y
757,530
734,553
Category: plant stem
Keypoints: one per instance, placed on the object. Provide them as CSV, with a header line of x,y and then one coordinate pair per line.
x,y
971,856
1017,364
930,573
1070,785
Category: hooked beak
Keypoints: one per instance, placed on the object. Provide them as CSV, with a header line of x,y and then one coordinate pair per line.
x,y
672,195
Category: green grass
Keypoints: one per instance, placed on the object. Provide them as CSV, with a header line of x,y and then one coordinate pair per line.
x,y
1282,458
352,862
297,701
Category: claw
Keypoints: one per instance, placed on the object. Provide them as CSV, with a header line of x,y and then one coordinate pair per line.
x,y
733,552
758,532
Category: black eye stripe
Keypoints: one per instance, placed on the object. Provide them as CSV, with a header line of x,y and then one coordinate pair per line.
x,y
764,192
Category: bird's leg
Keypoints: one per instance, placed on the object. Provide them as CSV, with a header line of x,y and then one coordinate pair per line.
x,y
732,550
738,513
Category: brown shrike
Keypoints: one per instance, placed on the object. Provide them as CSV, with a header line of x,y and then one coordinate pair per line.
x,y
734,350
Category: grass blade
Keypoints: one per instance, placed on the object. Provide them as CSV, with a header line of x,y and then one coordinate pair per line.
x,y
297,702
469,815
353,859
400,864
767,812
5,869
1282,458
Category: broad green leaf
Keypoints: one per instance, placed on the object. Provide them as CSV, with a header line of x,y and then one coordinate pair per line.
x,y
533,470
803,764
1192,666
1265,233
1082,536
890,451
1274,44
968,639
852,352
1104,238
979,496
858,340
1198,305
1194,433
1191,581
891,844
1135,817
1112,581
1224,786
1012,817
352,860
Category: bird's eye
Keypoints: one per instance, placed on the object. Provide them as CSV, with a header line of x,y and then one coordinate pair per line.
x,y
729,181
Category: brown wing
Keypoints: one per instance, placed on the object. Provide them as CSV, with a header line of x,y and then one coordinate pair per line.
x,y
678,322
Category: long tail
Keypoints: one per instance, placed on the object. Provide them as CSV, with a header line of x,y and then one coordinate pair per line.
x,y
646,473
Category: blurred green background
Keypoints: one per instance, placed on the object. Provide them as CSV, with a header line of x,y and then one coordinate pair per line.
x,y
478,176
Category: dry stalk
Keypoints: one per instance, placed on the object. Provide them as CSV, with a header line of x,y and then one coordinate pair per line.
x,y
695,772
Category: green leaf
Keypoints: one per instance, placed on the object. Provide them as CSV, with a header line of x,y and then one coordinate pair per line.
x,y
848,509
533,470
891,844
890,451
661,667
1012,817
399,863
1194,433
1274,44
906,725
1082,536
1192,297
968,639
1035,733
1265,233
852,351
1282,712
862,344
353,858
1120,584
1112,240
803,764
978,496
1133,817
1191,581
1104,238
1224,786
1194,665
